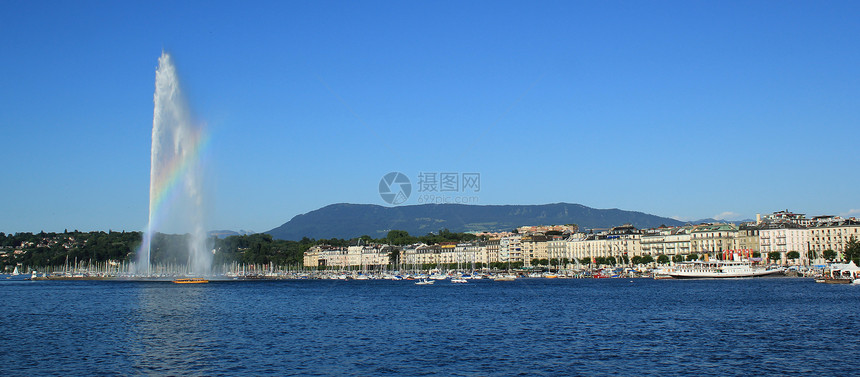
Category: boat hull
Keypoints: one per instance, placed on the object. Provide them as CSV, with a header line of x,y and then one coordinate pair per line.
x,y
191,281
723,275
835,281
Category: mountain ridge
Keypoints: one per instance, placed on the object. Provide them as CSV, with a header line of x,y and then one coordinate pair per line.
x,y
347,220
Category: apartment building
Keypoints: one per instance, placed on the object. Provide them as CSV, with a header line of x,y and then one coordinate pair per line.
x,y
618,242
511,248
666,241
534,247
833,235
713,239
784,238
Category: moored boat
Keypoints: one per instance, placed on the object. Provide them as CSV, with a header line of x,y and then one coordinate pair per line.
x,y
835,281
839,273
719,269
190,281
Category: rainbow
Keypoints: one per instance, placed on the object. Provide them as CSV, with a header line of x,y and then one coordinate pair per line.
x,y
163,186
178,146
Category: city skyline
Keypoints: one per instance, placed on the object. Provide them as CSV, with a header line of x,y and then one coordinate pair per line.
x,y
677,109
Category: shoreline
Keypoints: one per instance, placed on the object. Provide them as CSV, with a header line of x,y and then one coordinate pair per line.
x,y
410,280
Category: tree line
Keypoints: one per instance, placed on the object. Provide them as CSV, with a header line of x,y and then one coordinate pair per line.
x,y
44,249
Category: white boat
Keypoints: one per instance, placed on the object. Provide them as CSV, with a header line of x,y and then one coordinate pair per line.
x,y
459,280
718,269
425,282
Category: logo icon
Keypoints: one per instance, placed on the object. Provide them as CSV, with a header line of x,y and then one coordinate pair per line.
x,y
394,188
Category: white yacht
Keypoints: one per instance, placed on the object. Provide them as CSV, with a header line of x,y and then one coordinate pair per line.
x,y
718,269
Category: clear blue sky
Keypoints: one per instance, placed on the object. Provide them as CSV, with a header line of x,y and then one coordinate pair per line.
x,y
689,109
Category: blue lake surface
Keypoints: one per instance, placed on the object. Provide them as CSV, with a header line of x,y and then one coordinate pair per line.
x,y
550,327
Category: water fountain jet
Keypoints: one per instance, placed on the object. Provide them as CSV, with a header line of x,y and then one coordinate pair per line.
x,y
176,195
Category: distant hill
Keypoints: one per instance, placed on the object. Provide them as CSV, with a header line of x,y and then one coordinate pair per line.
x,y
354,220
228,233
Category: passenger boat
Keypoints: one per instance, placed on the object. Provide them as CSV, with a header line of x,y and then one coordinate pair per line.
x,y
425,282
459,280
190,281
719,269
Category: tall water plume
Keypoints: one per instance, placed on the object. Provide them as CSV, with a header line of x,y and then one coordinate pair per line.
x,y
176,195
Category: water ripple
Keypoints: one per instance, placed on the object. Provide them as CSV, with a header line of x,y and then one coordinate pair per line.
x,y
529,327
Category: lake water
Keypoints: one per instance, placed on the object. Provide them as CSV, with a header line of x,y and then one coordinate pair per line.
x,y
773,326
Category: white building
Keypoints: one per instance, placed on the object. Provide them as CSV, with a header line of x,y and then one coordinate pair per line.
x,y
619,242
353,256
666,241
784,238
511,248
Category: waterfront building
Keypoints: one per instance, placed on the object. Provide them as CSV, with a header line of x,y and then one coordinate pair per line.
x,y
511,248
832,235
556,248
618,242
482,254
421,254
492,247
465,254
311,256
784,238
448,252
372,255
746,243
468,253
534,247
712,240
326,256
666,241
353,256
